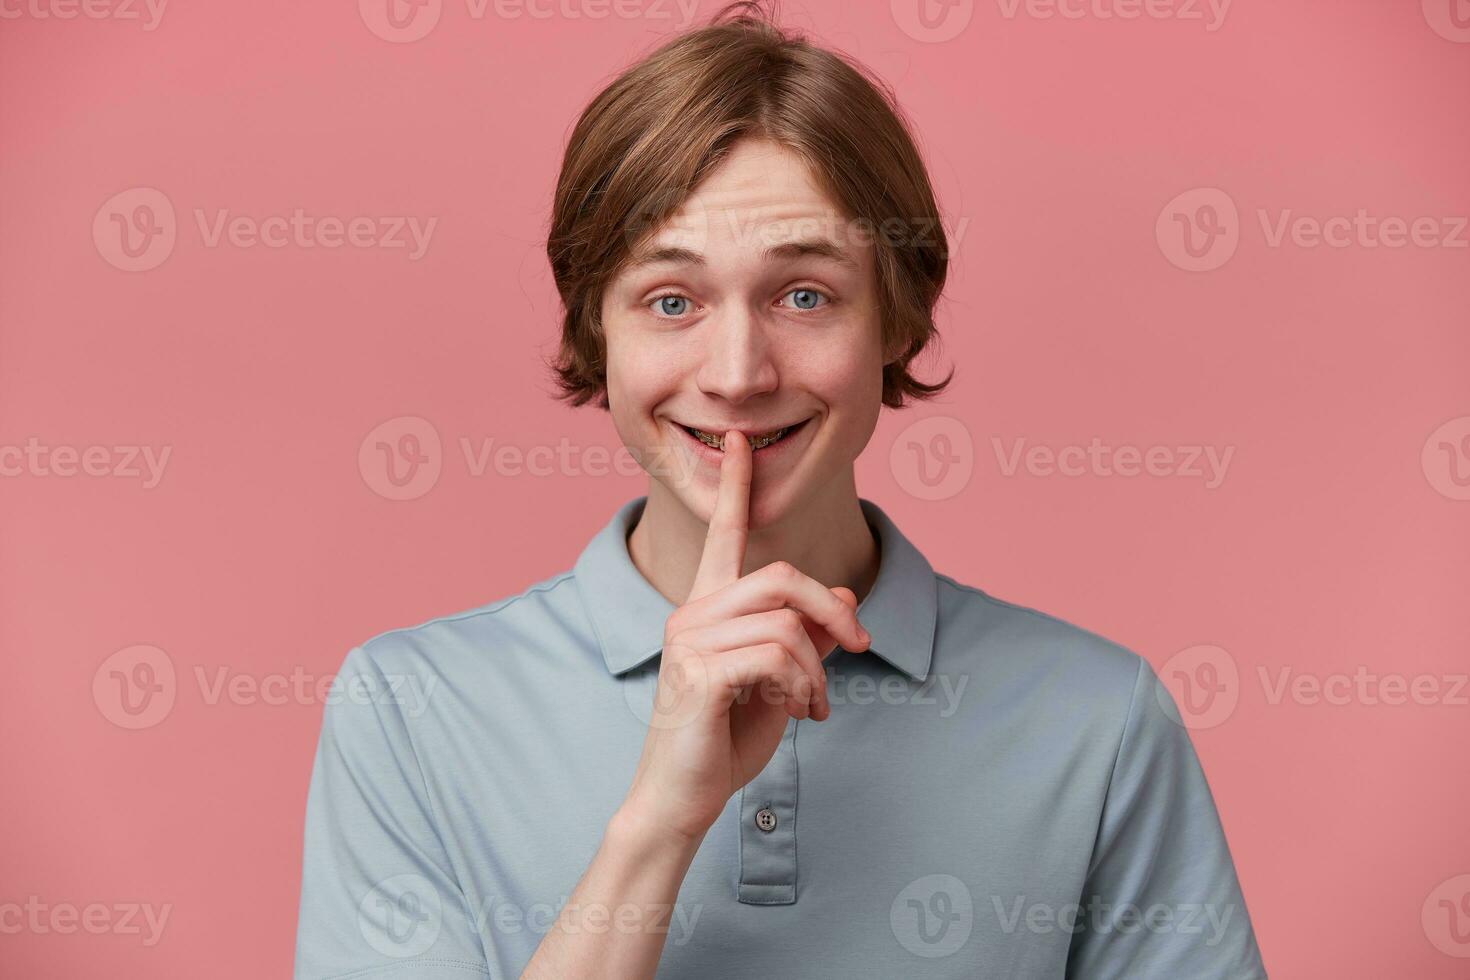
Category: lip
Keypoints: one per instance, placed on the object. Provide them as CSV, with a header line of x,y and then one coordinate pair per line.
x,y
766,454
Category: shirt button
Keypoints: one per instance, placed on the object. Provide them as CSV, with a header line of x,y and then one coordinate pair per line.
x,y
765,819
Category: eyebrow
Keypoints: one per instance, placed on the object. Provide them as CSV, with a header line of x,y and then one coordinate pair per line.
x,y
820,247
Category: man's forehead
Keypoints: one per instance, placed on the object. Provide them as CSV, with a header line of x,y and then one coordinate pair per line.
x,y
767,197
775,231
761,194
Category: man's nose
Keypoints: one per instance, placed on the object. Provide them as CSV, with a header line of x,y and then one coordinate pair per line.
x,y
738,362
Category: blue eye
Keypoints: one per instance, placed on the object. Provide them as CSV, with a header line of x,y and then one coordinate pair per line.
x,y
806,299
672,305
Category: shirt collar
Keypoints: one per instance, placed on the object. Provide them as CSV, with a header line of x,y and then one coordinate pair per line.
x,y
628,613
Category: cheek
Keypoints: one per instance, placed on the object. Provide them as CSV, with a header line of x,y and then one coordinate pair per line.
x,y
847,377
859,402
622,387
639,377
845,372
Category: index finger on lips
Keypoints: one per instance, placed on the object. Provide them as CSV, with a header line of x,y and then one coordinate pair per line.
x,y
729,526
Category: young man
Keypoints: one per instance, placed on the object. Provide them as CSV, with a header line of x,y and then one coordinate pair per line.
x,y
643,765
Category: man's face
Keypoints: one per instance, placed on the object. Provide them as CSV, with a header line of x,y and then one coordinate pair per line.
x,y
752,308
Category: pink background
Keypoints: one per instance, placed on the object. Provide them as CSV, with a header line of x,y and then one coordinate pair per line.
x,y
1335,544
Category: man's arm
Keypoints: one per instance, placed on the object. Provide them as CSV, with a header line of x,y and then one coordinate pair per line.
x,y
637,870
378,894
1162,899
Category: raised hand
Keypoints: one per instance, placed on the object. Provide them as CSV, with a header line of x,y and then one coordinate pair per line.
x,y
741,656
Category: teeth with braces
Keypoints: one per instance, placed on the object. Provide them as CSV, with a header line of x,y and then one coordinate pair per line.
x,y
718,441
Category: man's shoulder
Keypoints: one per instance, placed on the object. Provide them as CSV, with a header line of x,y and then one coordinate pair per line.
x,y
469,635
1017,640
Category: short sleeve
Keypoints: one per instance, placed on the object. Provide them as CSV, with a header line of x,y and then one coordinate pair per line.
x,y
379,898
1162,899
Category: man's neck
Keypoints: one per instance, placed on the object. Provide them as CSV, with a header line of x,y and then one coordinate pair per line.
x,y
829,540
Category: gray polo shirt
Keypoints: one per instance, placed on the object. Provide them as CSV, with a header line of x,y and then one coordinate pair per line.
x,y
996,794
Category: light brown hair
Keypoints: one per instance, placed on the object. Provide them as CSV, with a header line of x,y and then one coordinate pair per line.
x,y
647,140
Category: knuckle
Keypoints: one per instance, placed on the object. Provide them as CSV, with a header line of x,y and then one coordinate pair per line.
x,y
788,619
782,570
676,677
773,655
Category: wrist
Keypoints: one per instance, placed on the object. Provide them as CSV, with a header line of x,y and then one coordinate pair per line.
x,y
640,830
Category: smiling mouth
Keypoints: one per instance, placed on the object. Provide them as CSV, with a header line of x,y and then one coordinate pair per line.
x,y
761,441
